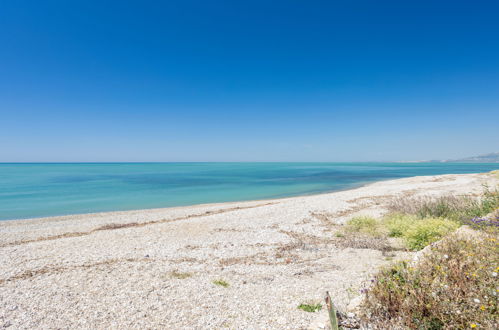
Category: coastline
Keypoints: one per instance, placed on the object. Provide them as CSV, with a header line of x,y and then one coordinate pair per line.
x,y
200,205
113,269
48,190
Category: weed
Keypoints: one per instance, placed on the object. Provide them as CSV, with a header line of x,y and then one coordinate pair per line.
x,y
221,283
365,225
310,307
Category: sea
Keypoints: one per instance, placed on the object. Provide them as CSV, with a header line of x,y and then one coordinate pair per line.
x,y
30,190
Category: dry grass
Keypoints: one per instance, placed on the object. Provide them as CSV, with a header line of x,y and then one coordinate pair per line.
x,y
59,269
361,241
180,275
113,226
132,224
457,208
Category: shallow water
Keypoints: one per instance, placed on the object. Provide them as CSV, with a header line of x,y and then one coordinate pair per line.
x,y
37,190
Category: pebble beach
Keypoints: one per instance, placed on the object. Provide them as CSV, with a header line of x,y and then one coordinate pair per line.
x,y
238,265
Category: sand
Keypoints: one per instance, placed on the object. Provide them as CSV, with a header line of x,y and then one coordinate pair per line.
x,y
155,268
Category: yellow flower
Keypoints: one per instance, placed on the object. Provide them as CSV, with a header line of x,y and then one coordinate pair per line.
x,y
482,307
472,325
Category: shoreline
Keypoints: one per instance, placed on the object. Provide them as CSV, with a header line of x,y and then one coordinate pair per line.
x,y
103,213
156,268
59,217
78,189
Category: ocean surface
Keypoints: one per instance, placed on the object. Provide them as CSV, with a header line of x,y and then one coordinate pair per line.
x,y
38,190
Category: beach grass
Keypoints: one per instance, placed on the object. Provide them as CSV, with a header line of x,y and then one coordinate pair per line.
x,y
456,208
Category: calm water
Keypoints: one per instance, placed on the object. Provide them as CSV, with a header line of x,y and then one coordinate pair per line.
x,y
36,190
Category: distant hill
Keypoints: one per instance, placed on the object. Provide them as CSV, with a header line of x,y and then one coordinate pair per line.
x,y
488,158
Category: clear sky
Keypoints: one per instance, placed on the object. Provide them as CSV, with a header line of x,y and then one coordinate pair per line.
x,y
248,80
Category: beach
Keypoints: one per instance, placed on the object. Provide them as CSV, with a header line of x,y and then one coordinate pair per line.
x,y
156,268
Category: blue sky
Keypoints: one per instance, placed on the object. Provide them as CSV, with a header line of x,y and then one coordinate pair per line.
x,y
248,80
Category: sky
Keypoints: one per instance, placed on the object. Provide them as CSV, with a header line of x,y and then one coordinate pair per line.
x,y
253,80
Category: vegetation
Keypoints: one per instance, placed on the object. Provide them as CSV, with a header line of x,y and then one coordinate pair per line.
x,y
424,232
450,207
398,224
333,318
310,307
221,283
415,232
424,220
180,275
454,287
365,225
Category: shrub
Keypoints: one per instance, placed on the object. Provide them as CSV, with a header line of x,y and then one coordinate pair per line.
x,y
416,233
452,287
364,224
398,224
427,231
490,225
310,307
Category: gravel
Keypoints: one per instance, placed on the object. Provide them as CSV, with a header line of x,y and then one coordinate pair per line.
x,y
114,270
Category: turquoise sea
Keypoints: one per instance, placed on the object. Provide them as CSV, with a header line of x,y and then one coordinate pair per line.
x,y
36,190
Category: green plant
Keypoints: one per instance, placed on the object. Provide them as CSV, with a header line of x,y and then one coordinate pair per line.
x,y
221,283
398,224
333,318
452,287
365,225
427,231
310,307
489,202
